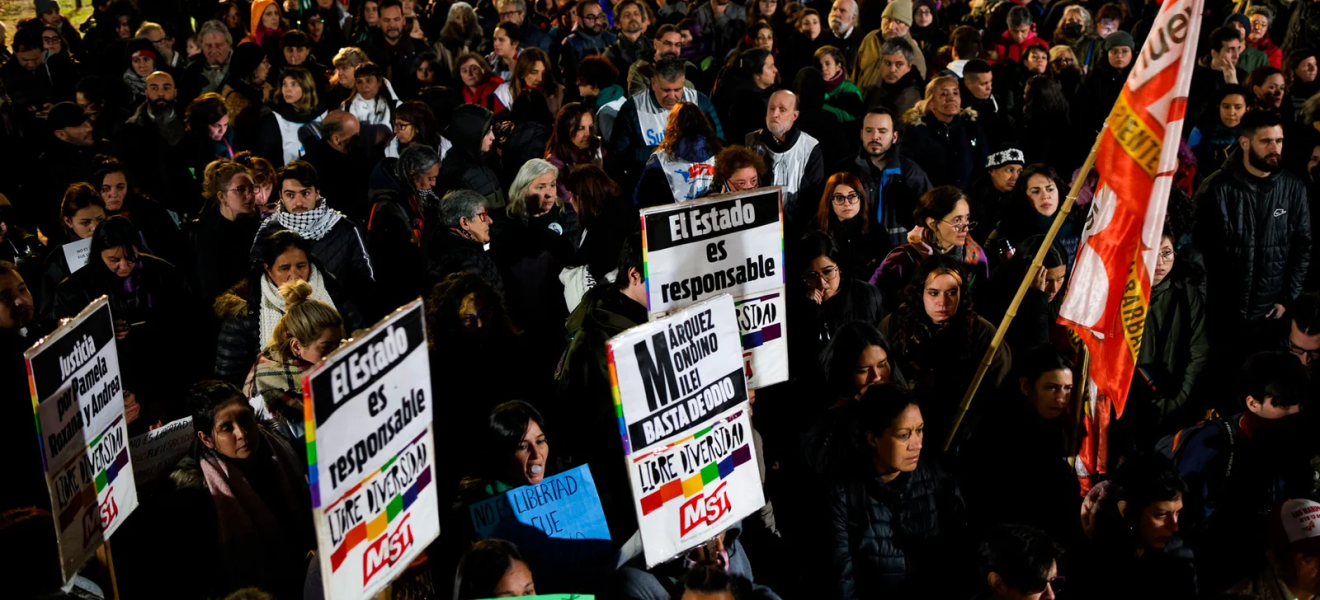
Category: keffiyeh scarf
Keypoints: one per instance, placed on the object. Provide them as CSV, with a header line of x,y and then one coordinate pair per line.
x,y
313,224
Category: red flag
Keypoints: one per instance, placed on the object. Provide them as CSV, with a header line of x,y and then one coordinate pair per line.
x,y
1110,290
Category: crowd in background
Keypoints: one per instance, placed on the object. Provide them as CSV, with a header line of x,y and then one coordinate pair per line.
x,y
251,182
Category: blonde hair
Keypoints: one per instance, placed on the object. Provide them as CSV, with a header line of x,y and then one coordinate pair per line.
x,y
218,175
931,88
349,57
304,319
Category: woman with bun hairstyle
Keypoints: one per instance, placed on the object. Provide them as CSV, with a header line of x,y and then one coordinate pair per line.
x,y
251,311
309,330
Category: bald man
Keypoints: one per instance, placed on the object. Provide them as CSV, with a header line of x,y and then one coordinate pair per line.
x,y
149,138
342,163
791,155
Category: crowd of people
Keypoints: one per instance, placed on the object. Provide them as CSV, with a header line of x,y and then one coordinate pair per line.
x,y
251,182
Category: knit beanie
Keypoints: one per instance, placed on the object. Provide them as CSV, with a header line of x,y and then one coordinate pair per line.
x,y
247,57
1004,155
1240,19
899,10
1120,38
45,6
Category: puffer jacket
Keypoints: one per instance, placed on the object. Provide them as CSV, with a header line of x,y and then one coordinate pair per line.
x,y
952,153
239,343
889,538
1256,236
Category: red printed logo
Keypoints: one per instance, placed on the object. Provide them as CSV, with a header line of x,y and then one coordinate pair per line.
x,y
387,551
704,510
700,169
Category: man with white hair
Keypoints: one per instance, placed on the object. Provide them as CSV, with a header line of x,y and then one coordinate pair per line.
x,y
207,71
792,157
515,11
844,33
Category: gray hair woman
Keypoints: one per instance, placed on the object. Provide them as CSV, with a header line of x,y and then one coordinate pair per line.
x,y
417,170
534,192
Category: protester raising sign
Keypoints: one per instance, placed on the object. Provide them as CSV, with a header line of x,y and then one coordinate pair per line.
x,y
681,396
370,456
558,526
79,403
731,244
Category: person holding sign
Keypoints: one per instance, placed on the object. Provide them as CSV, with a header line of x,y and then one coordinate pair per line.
x,y
939,339
245,494
81,212
309,330
150,301
683,164
872,557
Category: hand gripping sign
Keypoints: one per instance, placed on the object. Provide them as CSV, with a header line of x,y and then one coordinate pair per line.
x,y
734,244
78,399
370,455
684,415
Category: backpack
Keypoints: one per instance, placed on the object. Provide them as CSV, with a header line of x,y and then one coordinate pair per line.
x,y
1172,445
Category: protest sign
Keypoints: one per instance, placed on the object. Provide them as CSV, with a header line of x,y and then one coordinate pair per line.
x,y
78,399
734,244
681,397
370,455
157,451
558,597
557,524
76,253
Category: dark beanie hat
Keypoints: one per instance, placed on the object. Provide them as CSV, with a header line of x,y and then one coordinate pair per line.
x,y
247,56
45,6
1240,19
1120,38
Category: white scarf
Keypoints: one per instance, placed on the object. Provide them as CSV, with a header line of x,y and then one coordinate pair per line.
x,y
313,224
272,304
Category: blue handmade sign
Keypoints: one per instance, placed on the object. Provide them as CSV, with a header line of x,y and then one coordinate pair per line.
x,y
565,506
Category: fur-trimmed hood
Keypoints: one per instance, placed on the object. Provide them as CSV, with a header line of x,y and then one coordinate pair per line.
x,y
235,301
915,117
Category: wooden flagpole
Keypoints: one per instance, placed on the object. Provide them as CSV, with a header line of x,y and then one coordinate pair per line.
x,y
1030,278
108,561
1081,378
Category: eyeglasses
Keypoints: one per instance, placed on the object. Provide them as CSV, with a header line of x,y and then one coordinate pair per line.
x,y
50,39
402,124
961,226
1056,583
826,274
473,321
843,200
484,216
241,190
1166,255
1300,352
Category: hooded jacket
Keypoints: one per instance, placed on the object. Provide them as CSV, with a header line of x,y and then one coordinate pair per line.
x,y
951,153
465,165
1256,236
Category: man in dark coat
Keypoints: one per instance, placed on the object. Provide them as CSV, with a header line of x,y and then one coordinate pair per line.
x,y
461,245
515,11
390,48
149,136
1254,228
893,183
34,82
341,161
70,158
633,45
18,332
589,39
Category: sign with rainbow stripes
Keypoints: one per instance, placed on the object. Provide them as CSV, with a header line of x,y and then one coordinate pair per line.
x,y
730,243
681,398
371,456
78,401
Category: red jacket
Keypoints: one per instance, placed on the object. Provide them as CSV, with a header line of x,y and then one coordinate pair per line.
x,y
1011,52
1272,52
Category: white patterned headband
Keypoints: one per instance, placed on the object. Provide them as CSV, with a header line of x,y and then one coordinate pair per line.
x,y
1005,157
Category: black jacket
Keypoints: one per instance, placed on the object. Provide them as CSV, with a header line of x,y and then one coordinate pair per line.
x,y
147,146
891,539
1256,236
239,311
465,166
220,251
448,253
896,199
343,177
952,153
341,252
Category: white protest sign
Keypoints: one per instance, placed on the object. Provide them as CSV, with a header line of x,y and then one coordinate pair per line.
x,y
78,399
371,456
681,395
76,253
734,244
157,451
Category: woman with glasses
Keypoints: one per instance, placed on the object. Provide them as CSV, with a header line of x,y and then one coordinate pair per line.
x,y
844,214
828,298
944,218
1031,209
939,340
897,513
250,311
1174,353
221,237
415,123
